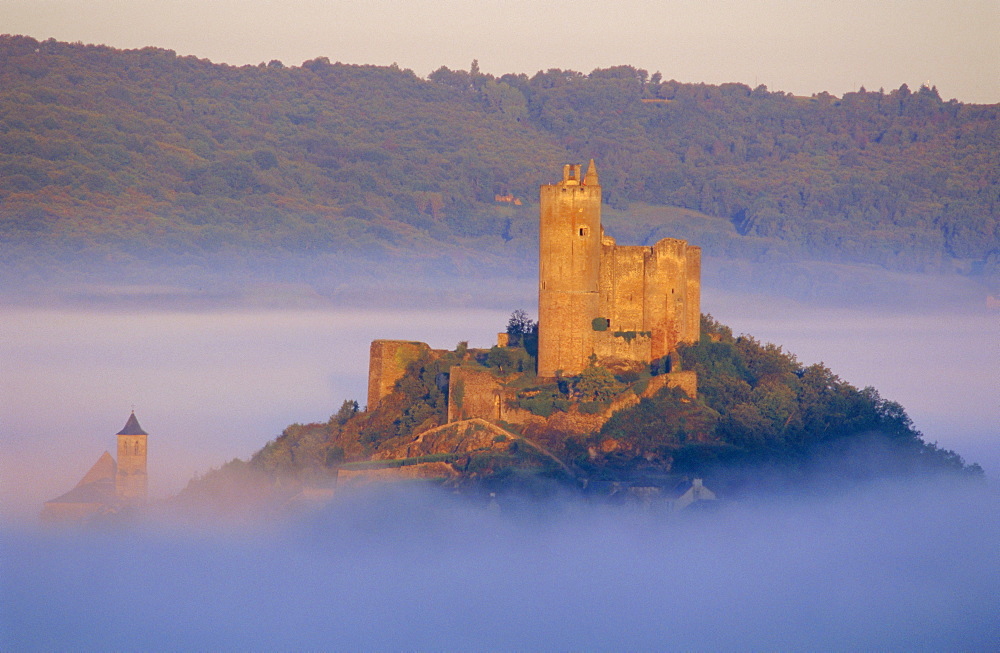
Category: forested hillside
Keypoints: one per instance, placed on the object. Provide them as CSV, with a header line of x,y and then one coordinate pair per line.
x,y
111,157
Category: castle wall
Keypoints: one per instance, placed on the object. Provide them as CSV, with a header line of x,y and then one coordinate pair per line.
x,y
693,295
473,393
616,352
418,472
387,364
666,286
623,271
686,380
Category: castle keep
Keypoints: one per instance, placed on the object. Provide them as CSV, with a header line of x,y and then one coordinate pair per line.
x,y
626,305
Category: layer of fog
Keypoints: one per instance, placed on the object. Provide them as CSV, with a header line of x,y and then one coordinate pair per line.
x,y
888,566
207,386
211,385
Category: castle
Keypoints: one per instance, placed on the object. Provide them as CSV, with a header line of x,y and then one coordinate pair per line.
x,y
624,308
108,486
624,305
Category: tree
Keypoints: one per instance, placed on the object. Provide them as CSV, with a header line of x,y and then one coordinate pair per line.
x,y
519,326
509,359
597,384
347,410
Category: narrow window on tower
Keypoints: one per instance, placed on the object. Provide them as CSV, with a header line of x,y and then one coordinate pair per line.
x,y
584,231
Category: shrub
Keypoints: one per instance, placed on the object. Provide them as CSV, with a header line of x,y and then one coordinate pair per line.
x,y
539,405
596,384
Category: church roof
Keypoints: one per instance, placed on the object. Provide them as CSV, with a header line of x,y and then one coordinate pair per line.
x,y
96,486
103,470
132,427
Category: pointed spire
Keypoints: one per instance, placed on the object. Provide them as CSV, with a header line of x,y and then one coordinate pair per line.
x,y
591,178
132,427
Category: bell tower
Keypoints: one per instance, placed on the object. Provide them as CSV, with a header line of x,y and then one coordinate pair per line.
x,y
569,270
131,480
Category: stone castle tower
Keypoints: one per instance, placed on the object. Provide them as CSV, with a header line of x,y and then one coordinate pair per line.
x,y
569,270
626,305
131,479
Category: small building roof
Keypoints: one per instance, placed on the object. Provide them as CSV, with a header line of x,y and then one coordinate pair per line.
x,y
96,487
103,470
132,427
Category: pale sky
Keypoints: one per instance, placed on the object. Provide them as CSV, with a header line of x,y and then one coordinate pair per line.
x,y
801,47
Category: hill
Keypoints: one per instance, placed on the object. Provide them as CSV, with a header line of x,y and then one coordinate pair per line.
x,y
149,167
760,421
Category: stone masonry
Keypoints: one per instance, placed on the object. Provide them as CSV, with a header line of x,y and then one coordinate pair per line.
x,y
387,364
626,305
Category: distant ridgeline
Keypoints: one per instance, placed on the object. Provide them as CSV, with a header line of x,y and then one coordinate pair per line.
x,y
619,387
144,161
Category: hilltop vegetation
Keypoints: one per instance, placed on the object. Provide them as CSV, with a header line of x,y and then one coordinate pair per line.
x,y
758,408
144,160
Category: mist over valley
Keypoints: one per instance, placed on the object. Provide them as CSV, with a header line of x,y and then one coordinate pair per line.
x,y
891,565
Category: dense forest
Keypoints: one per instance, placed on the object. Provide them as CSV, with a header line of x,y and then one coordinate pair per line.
x,y
145,160
761,421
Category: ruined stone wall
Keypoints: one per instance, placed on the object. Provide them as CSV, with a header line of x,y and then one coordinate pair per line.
x,y
623,271
387,363
418,472
616,352
693,295
686,380
666,286
653,290
473,393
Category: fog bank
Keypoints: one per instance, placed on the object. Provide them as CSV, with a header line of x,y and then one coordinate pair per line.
x,y
211,385
889,566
